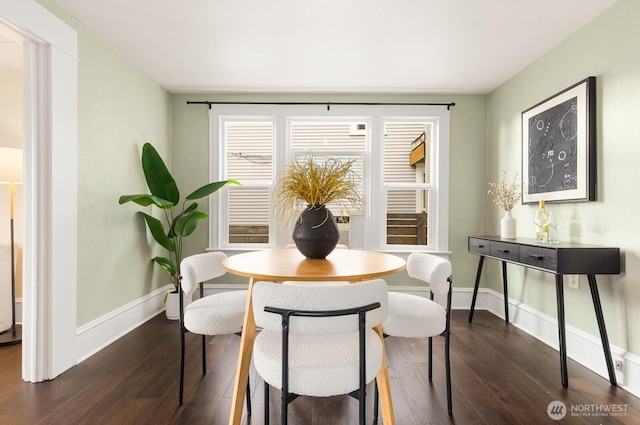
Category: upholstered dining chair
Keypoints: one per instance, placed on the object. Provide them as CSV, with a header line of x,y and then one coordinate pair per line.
x,y
218,314
318,340
412,316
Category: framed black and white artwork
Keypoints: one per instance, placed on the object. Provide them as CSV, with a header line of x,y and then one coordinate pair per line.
x,y
559,146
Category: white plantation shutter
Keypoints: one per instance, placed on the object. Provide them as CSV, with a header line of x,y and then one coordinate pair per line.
x,y
249,159
249,146
249,206
326,136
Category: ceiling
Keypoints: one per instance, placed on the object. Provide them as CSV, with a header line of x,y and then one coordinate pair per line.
x,y
333,46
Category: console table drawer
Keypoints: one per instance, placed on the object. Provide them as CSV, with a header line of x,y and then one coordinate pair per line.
x,y
505,251
544,258
479,246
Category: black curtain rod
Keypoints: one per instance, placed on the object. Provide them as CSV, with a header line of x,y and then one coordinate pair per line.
x,y
447,104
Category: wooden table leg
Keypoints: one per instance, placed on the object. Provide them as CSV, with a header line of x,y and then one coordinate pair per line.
x,y
244,360
384,388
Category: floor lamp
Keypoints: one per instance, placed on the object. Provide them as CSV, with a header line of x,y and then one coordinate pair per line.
x,y
11,173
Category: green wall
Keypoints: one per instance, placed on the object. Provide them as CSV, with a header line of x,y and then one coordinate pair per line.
x,y
119,108
190,151
606,48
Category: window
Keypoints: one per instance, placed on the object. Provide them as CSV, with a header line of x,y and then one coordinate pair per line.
x,y
407,183
248,158
401,153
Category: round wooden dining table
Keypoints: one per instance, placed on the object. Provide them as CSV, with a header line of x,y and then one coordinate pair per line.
x,y
289,264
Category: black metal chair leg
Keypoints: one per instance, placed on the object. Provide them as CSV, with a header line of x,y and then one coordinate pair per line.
x,y
376,401
362,402
430,359
284,414
266,404
363,406
204,356
248,399
447,361
447,344
181,384
182,332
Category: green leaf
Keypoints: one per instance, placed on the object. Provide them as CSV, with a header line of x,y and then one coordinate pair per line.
x,y
190,208
158,233
210,188
159,179
172,232
166,265
146,200
186,224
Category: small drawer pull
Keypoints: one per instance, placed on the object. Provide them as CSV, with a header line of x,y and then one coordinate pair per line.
x,y
480,246
504,251
537,257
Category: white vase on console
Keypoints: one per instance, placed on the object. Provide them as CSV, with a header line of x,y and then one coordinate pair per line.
x,y
508,226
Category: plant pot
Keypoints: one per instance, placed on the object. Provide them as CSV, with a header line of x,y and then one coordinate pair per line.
x,y
172,305
316,232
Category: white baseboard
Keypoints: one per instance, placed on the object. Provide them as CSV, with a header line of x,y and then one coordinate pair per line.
x,y
582,347
96,335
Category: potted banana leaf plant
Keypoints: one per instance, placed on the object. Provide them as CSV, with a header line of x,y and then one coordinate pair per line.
x,y
181,216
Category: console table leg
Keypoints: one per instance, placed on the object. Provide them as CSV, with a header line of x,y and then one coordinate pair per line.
x,y
475,288
505,291
561,331
595,296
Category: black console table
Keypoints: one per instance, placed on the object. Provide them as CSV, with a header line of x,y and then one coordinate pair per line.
x,y
559,259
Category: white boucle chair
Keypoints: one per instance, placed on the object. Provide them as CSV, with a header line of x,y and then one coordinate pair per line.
x,y
218,314
320,341
412,316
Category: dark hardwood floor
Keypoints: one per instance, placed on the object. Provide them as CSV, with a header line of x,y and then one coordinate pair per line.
x,y
500,376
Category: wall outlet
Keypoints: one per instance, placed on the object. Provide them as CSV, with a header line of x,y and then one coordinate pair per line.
x,y
573,281
618,364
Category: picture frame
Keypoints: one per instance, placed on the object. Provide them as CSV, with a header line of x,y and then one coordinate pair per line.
x,y
559,146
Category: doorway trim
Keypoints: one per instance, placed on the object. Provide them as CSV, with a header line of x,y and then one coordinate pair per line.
x,y
50,188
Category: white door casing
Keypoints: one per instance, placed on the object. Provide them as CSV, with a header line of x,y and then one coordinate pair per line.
x,y
50,188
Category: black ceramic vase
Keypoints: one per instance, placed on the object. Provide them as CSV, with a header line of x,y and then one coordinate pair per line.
x,y
316,232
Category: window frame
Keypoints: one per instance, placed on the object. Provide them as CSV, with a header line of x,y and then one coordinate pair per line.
x,y
374,186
